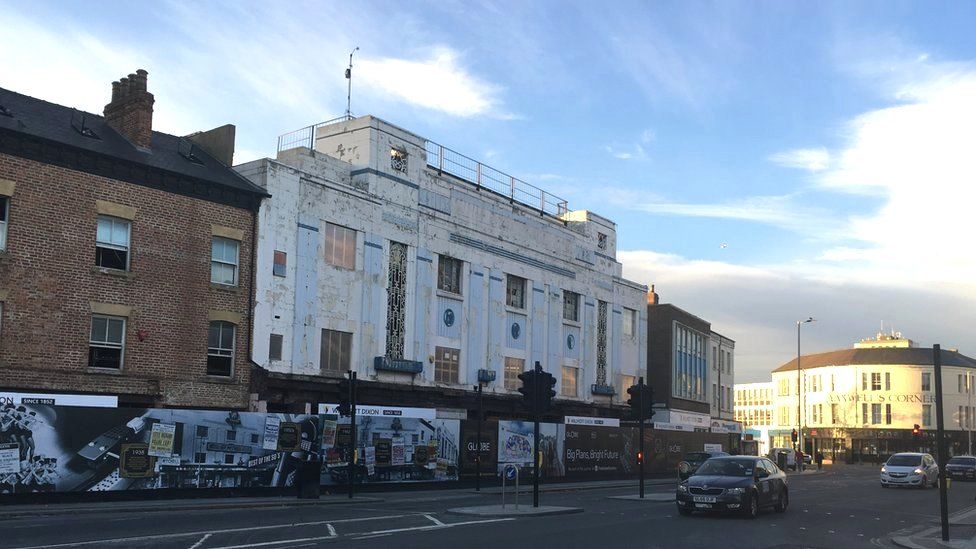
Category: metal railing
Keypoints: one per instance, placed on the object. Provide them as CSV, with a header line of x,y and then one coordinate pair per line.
x,y
451,162
305,137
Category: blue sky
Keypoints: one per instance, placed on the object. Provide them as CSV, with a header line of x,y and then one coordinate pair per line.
x,y
826,144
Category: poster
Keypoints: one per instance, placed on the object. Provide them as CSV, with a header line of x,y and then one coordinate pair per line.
x,y
161,439
489,441
289,437
369,455
135,461
515,445
592,450
384,449
271,425
9,458
329,427
397,451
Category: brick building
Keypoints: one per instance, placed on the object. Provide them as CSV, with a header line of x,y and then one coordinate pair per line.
x,y
125,255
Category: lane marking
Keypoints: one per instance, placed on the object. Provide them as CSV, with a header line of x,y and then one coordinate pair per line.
x,y
270,543
199,543
373,536
434,520
331,529
431,527
202,532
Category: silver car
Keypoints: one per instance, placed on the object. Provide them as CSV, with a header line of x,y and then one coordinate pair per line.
x,y
910,469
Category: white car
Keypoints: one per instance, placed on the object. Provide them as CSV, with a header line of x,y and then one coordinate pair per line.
x,y
910,469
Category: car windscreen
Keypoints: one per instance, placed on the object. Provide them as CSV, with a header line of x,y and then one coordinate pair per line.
x,y
727,467
904,461
962,461
696,456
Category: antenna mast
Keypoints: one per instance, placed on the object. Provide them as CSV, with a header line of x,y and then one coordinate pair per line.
x,y
349,78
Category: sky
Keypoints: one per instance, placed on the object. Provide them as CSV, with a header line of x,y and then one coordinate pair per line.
x,y
765,161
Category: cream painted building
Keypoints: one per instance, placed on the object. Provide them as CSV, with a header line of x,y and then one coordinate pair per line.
x,y
754,409
862,403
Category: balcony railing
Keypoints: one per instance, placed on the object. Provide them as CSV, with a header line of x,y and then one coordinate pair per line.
x,y
305,137
482,176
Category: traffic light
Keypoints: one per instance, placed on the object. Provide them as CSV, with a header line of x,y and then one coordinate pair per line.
x,y
345,402
793,436
640,457
641,401
916,431
529,380
537,389
546,383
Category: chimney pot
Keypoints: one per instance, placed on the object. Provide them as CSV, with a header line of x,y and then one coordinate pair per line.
x,y
130,111
116,91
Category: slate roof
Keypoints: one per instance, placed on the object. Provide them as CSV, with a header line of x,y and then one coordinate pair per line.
x,y
53,122
913,356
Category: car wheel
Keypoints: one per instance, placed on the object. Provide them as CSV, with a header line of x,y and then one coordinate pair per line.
x,y
684,512
784,502
752,508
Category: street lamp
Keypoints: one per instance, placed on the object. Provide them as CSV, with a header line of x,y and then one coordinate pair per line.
x,y
800,417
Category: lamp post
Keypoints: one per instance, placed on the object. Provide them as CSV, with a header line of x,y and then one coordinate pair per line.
x,y
800,419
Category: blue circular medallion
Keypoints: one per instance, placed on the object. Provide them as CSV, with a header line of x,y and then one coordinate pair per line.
x,y
570,341
516,330
449,317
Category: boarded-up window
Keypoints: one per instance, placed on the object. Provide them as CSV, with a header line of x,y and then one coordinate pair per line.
x,y
274,348
340,246
280,263
336,351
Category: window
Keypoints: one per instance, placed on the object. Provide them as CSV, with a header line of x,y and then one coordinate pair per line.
x,y
280,263
449,274
888,414
223,261
571,306
601,342
231,436
340,246
832,383
926,415
255,438
630,323
876,381
398,160
112,243
515,293
202,432
962,383
335,355
959,417
220,349
200,457
834,415
714,358
926,381
228,459
274,347
875,414
513,367
626,382
784,387
864,381
568,386
813,413
601,241
4,212
887,381
446,364
864,413
107,342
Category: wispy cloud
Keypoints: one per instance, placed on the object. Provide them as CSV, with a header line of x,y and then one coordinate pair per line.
x,y
438,82
811,160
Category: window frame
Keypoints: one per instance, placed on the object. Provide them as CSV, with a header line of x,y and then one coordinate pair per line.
x,y
875,381
448,266
332,231
575,379
271,347
520,293
876,414
127,247
510,378
446,369
926,381
222,352
569,295
279,269
105,344
236,264
342,355
4,220
630,323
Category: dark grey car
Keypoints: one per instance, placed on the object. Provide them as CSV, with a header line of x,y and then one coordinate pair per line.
x,y
743,484
693,461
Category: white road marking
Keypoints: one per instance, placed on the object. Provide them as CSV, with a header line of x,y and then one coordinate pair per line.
x,y
373,536
431,527
270,543
830,531
331,529
224,531
434,520
200,542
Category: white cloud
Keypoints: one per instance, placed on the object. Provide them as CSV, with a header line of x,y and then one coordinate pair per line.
x,y
438,82
811,160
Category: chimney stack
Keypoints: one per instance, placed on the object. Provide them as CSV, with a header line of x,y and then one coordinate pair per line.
x,y
652,297
130,112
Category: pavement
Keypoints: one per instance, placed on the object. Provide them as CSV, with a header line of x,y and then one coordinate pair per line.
x,y
962,534
842,506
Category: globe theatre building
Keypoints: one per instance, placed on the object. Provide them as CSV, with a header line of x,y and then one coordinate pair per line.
x,y
861,404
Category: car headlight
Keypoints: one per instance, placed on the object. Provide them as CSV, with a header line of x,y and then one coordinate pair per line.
x,y
884,469
682,489
919,472
734,491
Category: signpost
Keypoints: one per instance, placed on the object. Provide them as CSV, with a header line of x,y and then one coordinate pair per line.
x,y
477,454
941,441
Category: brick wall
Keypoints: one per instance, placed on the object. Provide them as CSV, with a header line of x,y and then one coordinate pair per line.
x,y
49,277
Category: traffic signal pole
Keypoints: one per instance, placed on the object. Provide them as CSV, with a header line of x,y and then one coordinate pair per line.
x,y
535,437
477,455
352,437
640,465
941,441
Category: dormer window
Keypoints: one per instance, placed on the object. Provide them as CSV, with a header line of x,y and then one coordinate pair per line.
x,y
398,159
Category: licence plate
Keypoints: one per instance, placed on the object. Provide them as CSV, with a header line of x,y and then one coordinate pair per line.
x,y
703,505
704,499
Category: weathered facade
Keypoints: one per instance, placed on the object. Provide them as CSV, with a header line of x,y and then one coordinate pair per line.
x,y
721,376
427,273
125,256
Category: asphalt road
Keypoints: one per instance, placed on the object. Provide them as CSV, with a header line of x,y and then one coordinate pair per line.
x,y
842,507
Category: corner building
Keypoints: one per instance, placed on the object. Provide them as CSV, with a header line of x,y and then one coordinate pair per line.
x,y
860,404
125,255
427,273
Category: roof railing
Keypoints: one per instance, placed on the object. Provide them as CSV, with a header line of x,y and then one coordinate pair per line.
x,y
482,176
305,137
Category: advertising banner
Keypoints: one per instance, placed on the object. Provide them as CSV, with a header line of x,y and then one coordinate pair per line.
x,y
592,450
92,401
594,421
271,426
161,439
9,458
289,437
364,410
135,461
398,451
515,443
329,428
369,454
489,441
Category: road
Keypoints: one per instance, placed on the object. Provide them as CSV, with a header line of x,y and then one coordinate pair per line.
x,y
842,507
